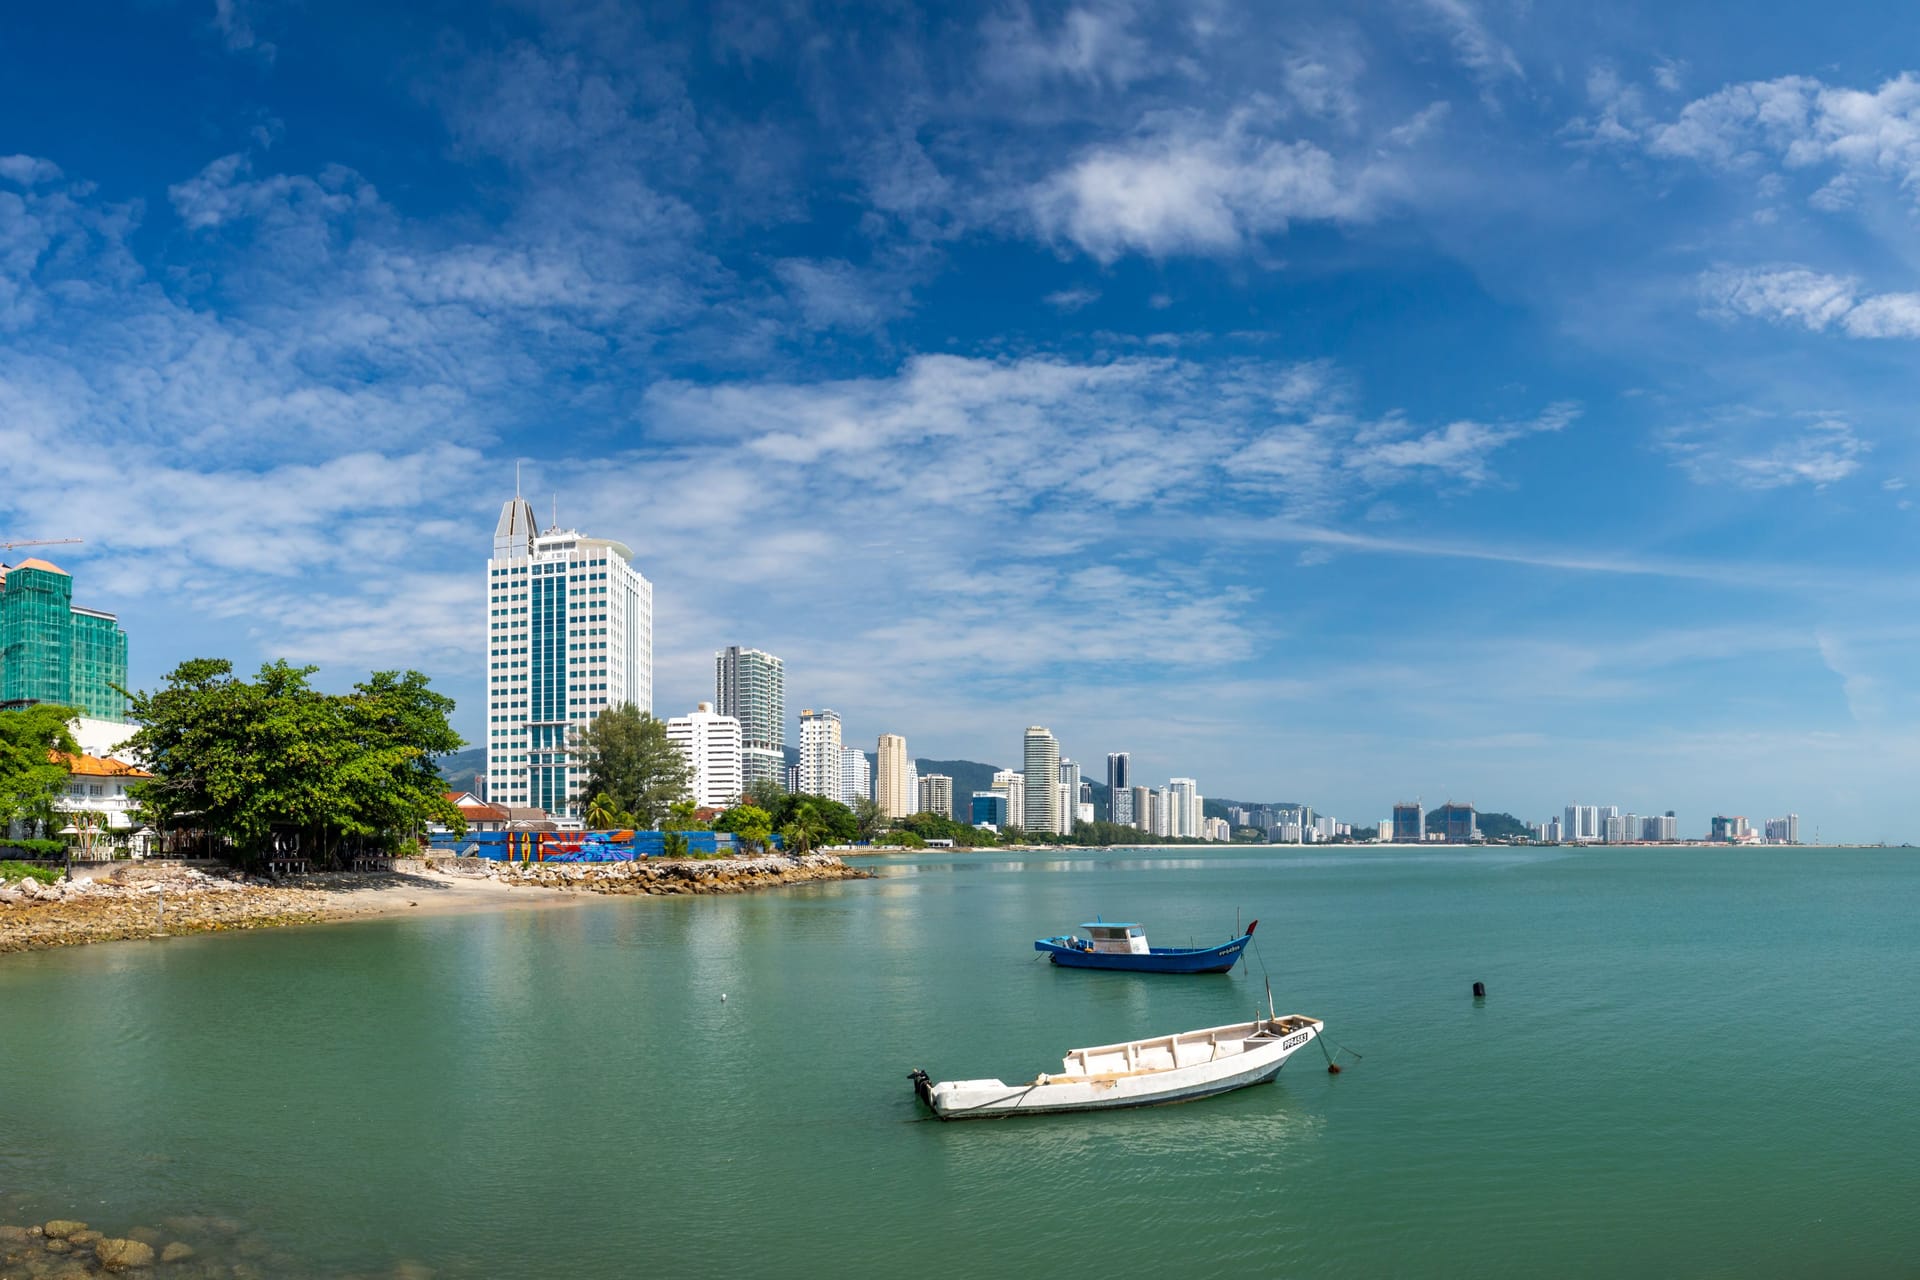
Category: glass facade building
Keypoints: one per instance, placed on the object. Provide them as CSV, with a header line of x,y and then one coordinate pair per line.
x,y
751,686
52,652
570,635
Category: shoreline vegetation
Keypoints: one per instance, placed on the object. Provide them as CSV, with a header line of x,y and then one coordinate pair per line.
x,y
153,900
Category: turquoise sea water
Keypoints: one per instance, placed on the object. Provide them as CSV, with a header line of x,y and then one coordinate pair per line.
x,y
1689,1063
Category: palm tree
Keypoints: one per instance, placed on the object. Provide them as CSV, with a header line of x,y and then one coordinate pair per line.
x,y
803,831
600,815
673,845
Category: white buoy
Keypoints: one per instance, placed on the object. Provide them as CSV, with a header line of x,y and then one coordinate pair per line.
x,y
723,997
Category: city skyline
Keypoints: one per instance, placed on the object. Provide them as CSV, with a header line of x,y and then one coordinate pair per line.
x,y
1469,399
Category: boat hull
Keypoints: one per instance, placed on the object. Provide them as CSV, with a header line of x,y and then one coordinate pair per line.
x,y
1255,1060
1218,959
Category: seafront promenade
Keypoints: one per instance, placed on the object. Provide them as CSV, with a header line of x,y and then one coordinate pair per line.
x,y
152,900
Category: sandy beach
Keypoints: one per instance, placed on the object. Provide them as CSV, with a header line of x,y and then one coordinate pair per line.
x,y
135,901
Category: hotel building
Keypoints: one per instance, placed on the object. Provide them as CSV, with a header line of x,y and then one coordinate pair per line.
x,y
569,634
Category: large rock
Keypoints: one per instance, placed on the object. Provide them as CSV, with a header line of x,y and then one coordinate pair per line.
x,y
61,1228
122,1255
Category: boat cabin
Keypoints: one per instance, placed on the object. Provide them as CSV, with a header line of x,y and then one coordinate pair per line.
x,y
1122,939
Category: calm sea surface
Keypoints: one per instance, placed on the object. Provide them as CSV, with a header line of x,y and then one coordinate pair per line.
x,y
1688,1063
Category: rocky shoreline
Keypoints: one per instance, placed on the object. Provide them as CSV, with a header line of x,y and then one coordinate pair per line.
x,y
690,875
157,900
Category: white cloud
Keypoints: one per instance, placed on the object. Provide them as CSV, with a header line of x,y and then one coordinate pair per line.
x,y
1815,300
1092,44
1758,452
1477,48
28,171
1072,299
1802,123
1185,184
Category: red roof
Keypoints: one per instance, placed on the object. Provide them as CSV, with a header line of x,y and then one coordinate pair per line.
x,y
96,767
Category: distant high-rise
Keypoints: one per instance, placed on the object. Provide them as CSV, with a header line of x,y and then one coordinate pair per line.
x,y
936,794
1120,787
1582,823
1409,823
1043,778
1456,823
1013,784
893,786
53,651
711,744
751,686
569,635
1139,803
1183,819
1069,802
856,781
820,754
989,808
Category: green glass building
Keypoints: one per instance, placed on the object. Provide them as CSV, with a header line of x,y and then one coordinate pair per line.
x,y
51,651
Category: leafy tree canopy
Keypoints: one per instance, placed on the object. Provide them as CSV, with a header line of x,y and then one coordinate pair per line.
x,y
749,822
30,778
249,760
627,755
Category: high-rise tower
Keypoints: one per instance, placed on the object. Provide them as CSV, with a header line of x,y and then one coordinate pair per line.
x,y
52,650
751,686
820,766
569,634
893,780
1120,787
1043,780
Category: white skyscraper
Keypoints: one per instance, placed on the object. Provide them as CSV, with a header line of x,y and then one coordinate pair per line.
x,y
1184,818
1043,777
820,754
569,634
1014,784
751,686
1069,804
856,776
936,794
711,744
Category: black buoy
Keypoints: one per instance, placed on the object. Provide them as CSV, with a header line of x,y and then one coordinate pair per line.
x,y
1333,1068
1479,991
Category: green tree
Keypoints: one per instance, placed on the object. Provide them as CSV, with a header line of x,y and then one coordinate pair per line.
x,y
868,818
627,755
683,815
673,845
764,793
750,823
253,762
31,778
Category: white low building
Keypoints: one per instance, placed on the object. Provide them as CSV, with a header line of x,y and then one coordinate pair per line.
x,y
712,745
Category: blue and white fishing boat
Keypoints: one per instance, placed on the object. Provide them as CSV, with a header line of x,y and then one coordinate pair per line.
x,y
1124,946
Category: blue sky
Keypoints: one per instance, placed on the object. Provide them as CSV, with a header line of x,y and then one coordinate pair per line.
x,y
1454,398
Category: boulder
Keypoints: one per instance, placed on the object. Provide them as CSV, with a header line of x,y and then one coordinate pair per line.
x,y
78,1238
57,1245
122,1255
176,1252
14,1235
61,1228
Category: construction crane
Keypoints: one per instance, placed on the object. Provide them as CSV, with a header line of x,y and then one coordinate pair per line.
x,y
38,542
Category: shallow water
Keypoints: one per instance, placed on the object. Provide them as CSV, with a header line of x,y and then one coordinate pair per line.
x,y
1689,1063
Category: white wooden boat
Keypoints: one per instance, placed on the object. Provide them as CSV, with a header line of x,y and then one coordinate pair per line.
x,y
1135,1073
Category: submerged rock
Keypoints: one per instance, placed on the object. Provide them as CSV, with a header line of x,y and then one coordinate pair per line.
x,y
176,1252
120,1255
61,1228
